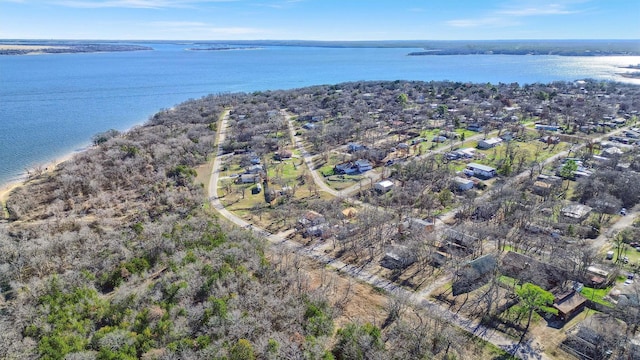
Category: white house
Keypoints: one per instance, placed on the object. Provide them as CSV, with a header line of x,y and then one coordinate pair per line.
x,y
489,143
481,171
383,186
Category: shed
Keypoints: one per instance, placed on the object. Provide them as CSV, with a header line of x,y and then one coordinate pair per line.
x,y
383,186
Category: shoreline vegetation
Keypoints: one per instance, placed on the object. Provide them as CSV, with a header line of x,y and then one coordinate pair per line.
x,y
429,47
66,48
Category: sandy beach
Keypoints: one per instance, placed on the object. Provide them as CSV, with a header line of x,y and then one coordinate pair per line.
x,y
5,189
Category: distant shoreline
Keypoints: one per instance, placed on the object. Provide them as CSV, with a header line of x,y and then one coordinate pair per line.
x,y
547,52
66,48
223,48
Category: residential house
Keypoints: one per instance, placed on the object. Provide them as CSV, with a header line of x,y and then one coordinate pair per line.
x,y
598,278
249,178
468,153
480,171
363,165
283,154
541,188
347,168
576,211
254,169
475,127
415,224
474,274
315,231
489,143
453,155
612,150
507,136
311,218
353,147
309,126
255,159
463,184
528,269
569,304
547,127
632,134
549,139
398,257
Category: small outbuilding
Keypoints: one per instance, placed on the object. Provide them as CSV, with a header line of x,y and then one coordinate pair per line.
x,y
383,186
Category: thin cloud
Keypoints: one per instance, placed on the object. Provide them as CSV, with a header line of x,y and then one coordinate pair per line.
x,y
203,28
507,16
282,4
137,4
482,22
552,9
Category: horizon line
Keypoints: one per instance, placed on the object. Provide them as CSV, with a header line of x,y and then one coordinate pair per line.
x,y
321,41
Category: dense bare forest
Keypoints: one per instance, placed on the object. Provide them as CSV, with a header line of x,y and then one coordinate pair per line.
x,y
117,254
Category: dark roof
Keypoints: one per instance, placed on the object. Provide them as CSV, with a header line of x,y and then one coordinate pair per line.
x,y
568,302
474,274
528,269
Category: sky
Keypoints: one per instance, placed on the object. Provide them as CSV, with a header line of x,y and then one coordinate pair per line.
x,y
319,19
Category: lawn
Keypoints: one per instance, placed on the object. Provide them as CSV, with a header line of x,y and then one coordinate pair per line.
x,y
339,182
597,295
286,171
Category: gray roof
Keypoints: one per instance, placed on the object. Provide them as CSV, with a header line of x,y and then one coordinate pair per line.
x,y
480,167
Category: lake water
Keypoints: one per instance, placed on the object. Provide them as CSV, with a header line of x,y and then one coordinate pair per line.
x,y
51,105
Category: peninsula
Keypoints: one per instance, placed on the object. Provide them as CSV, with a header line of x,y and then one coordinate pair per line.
x,y
32,48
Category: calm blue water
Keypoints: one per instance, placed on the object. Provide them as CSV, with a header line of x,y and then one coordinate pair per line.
x,y
53,104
